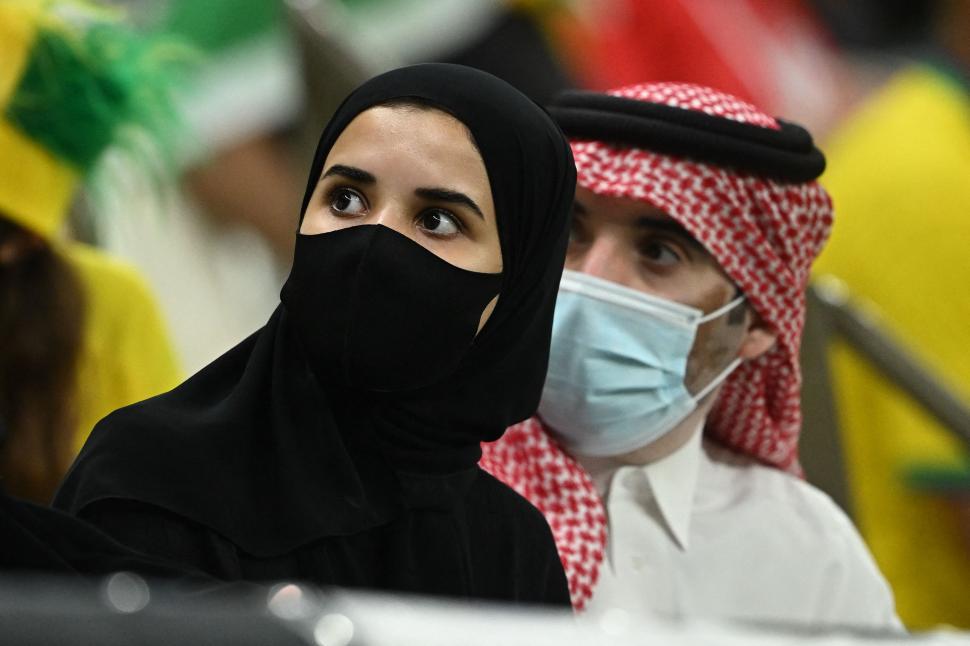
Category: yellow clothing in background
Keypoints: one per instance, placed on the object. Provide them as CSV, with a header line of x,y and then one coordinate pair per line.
x,y
126,355
899,174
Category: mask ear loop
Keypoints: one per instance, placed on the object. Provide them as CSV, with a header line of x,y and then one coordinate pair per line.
x,y
716,381
731,367
724,309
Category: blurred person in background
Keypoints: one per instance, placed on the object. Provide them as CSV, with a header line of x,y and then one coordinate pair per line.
x,y
339,443
665,450
81,333
774,53
507,38
899,173
226,215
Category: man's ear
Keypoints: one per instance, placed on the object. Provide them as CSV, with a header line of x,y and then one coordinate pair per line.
x,y
758,339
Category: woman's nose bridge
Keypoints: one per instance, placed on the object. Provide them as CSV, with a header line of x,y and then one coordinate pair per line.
x,y
392,216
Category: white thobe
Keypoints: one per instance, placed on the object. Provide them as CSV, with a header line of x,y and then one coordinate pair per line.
x,y
705,532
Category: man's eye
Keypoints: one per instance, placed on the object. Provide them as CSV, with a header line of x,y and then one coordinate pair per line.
x,y
347,202
659,253
577,234
439,223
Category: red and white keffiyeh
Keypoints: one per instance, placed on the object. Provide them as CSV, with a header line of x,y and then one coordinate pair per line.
x,y
765,234
531,462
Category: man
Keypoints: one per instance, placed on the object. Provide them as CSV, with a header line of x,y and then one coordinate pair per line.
x,y
665,451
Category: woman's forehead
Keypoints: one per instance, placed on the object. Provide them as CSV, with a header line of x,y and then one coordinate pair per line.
x,y
427,135
413,124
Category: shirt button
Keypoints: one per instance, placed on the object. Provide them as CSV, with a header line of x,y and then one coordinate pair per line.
x,y
638,563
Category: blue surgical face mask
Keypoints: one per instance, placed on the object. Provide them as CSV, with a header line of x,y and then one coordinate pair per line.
x,y
617,366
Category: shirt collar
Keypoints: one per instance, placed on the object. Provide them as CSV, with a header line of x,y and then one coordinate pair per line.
x,y
673,480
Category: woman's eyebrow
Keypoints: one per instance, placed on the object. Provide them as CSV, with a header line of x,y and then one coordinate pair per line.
x,y
445,195
350,172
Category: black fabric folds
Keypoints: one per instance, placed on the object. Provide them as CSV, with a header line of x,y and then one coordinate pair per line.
x,y
270,456
37,539
788,154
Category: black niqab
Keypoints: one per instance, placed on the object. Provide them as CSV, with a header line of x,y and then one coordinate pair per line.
x,y
257,449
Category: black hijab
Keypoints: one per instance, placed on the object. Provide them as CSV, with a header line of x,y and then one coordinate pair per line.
x,y
258,448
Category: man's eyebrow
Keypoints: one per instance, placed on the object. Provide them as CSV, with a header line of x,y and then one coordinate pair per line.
x,y
446,195
669,226
350,172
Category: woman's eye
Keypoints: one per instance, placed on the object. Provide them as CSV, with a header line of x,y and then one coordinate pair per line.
x,y
347,202
439,223
659,253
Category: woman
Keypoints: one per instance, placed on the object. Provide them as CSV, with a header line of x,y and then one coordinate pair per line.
x,y
339,443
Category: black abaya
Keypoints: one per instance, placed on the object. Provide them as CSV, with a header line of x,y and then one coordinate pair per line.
x,y
39,540
299,455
